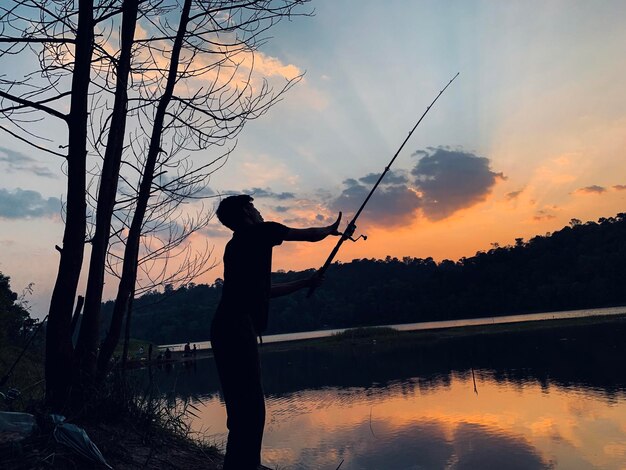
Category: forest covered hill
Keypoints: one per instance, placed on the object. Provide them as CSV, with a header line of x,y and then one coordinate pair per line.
x,y
582,265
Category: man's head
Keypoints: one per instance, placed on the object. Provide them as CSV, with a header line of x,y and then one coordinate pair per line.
x,y
236,212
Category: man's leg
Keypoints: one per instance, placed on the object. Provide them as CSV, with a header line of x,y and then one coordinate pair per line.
x,y
238,367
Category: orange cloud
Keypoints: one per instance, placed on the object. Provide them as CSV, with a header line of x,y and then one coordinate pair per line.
x,y
513,195
543,215
594,189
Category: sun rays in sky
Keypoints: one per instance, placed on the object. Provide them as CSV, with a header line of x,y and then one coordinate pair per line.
x,y
531,134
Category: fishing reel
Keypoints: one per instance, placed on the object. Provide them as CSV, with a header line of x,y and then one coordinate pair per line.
x,y
349,231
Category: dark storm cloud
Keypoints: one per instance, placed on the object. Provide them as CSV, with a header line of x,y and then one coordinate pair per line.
x,y
594,189
422,153
450,180
26,204
619,187
391,205
267,193
445,180
392,177
16,161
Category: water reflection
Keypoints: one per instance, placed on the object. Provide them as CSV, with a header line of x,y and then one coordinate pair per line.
x,y
450,427
552,399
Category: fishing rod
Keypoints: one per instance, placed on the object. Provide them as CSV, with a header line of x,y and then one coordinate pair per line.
x,y
349,231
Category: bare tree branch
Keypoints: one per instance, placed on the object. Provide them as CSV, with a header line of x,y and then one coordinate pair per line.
x,y
37,40
34,105
38,147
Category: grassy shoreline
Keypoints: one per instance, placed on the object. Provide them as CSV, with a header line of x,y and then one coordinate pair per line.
x,y
369,336
365,335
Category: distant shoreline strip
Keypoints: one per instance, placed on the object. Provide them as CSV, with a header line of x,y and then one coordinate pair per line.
x,y
430,325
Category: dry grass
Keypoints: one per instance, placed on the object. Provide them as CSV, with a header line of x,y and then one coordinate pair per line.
x,y
132,431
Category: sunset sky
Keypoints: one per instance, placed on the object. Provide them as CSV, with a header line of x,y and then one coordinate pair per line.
x,y
530,135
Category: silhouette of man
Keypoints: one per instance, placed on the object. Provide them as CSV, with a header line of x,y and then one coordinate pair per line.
x,y
242,315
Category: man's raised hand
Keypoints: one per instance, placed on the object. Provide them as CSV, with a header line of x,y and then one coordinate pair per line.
x,y
334,228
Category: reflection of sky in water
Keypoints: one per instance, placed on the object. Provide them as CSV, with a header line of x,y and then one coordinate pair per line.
x,y
446,426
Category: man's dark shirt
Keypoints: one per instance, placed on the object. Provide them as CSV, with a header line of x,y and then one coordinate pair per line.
x,y
247,273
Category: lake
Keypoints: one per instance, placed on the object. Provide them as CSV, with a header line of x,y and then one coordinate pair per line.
x,y
550,398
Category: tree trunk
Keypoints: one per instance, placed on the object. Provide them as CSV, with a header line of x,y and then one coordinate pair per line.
x,y
129,315
79,306
131,252
58,338
89,337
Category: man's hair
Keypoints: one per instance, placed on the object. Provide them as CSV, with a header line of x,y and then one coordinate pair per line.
x,y
230,211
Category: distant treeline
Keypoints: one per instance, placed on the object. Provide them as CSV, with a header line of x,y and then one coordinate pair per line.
x,y
582,265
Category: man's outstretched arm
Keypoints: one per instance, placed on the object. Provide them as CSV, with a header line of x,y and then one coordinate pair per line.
x,y
285,288
313,234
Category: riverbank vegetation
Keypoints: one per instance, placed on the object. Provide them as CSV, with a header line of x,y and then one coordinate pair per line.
x,y
579,266
131,429
21,346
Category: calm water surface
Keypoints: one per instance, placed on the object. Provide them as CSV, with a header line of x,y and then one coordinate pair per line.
x,y
547,399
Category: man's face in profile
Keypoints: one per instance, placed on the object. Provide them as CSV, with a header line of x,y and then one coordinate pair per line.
x,y
253,216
